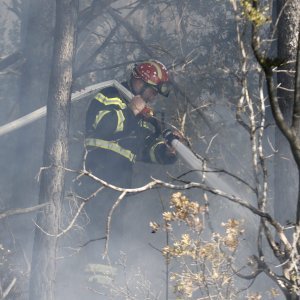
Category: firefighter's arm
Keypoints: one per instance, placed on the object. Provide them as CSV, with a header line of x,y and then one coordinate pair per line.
x,y
159,152
162,151
110,121
112,114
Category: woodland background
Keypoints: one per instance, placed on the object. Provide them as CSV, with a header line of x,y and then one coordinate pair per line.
x,y
235,97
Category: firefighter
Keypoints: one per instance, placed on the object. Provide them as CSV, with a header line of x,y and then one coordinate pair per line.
x,y
119,133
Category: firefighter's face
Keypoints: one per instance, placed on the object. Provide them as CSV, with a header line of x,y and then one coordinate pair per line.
x,y
146,91
149,94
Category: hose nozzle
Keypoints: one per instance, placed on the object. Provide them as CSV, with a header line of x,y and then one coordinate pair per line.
x,y
169,136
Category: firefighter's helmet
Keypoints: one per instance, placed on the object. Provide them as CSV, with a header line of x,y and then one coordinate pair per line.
x,y
155,74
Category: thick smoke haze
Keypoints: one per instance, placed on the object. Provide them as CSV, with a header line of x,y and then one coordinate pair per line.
x,y
197,40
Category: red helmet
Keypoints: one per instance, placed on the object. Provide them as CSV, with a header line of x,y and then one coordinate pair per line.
x,y
155,74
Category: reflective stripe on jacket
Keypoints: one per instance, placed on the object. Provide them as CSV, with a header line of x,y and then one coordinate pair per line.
x,y
111,125
110,101
112,146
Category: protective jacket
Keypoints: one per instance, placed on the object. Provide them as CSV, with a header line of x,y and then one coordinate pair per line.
x,y
116,139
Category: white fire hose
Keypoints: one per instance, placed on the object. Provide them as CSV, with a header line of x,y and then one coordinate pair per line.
x,y
89,91
184,152
41,112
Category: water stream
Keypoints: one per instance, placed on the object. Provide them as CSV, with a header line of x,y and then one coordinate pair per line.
x,y
212,178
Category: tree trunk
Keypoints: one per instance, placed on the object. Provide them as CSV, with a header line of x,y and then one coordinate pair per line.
x,y
37,49
55,153
286,174
37,27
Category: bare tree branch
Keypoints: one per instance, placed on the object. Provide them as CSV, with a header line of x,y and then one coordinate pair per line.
x,y
132,31
296,113
267,66
15,8
9,288
10,60
20,211
90,60
84,67
116,204
155,183
136,35
96,9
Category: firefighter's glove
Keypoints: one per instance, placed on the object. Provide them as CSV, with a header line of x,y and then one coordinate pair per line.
x,y
146,113
170,135
170,151
169,154
137,105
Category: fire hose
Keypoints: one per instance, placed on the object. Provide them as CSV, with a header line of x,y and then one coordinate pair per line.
x,y
183,151
41,112
89,91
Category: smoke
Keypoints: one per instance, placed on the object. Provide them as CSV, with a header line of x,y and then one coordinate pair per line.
x,y
199,63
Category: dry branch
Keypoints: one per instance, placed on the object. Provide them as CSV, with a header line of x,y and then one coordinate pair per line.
x,y
20,211
10,60
9,288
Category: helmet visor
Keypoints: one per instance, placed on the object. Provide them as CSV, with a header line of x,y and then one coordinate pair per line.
x,y
163,88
